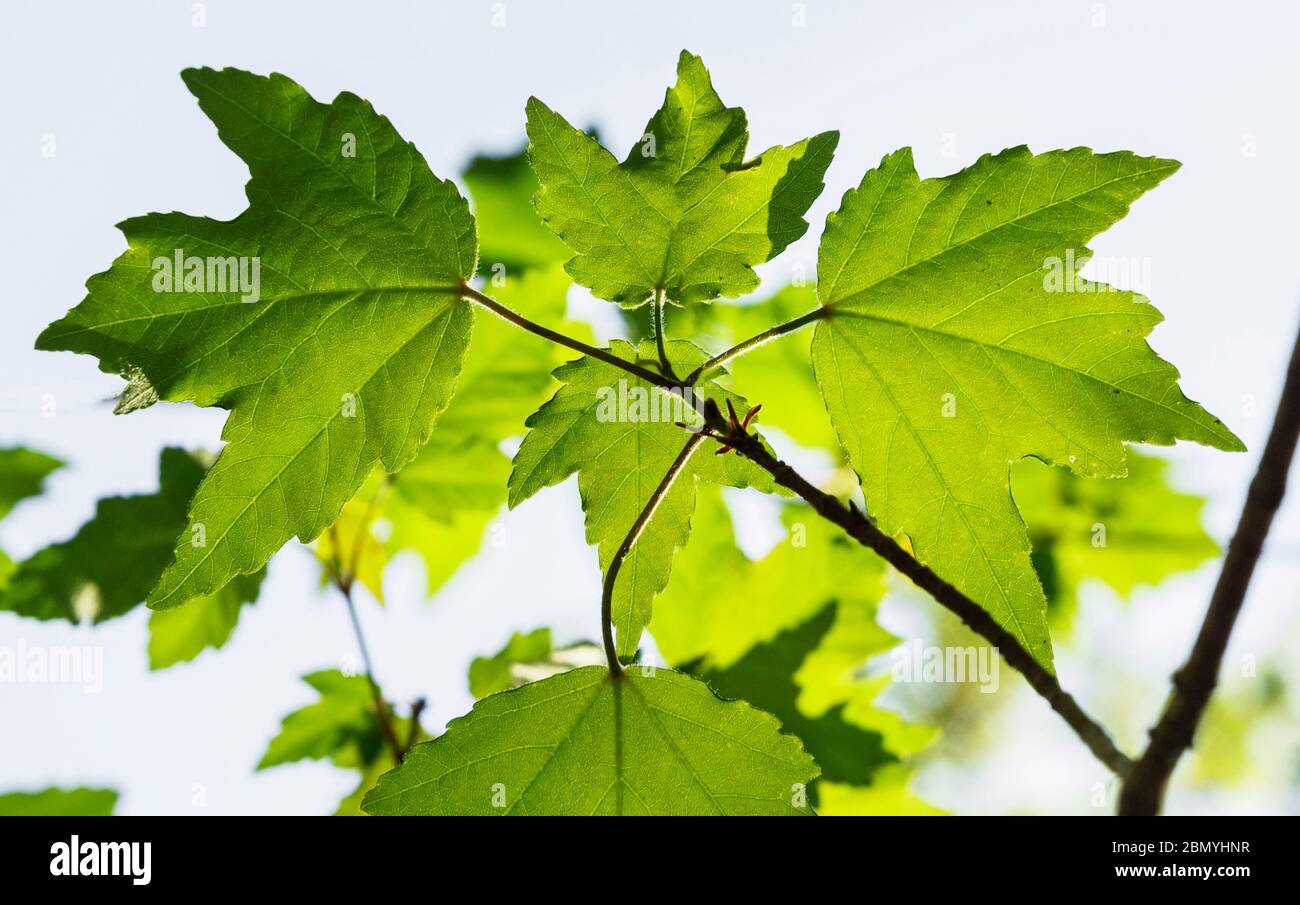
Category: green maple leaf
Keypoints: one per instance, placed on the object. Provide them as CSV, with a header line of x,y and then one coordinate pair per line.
x,y
22,475
349,351
651,742
1139,531
684,213
109,566
620,458
947,354
56,802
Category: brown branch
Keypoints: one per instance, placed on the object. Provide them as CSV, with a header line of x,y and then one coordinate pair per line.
x,y
1144,788
865,532
611,574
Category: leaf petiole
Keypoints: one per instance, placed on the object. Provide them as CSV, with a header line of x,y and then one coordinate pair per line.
x,y
609,358
759,339
638,527
664,364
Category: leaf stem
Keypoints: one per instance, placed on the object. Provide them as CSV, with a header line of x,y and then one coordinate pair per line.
x,y
576,345
755,341
865,532
1193,684
381,707
664,364
615,564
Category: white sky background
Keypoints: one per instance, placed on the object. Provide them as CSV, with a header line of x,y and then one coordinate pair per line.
x,y
1200,82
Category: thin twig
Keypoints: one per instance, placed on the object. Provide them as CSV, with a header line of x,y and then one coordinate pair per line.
x,y
865,532
754,342
576,345
611,573
1143,791
381,707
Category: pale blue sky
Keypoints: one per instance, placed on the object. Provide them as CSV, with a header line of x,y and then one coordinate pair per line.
x,y
1212,84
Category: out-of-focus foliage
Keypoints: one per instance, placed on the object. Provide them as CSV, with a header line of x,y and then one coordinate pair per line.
x,y
889,794
1125,533
340,727
114,560
1251,732
22,475
180,634
528,658
488,675
55,802
510,233
792,633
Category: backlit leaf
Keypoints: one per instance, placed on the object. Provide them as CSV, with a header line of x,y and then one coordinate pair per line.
x,y
684,212
653,742
618,433
961,339
337,358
